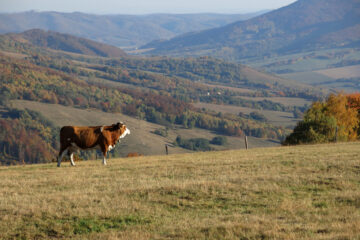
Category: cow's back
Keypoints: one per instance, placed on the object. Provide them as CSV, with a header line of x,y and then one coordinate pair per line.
x,y
83,137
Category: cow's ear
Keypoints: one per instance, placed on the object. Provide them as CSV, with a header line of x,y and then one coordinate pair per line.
x,y
118,125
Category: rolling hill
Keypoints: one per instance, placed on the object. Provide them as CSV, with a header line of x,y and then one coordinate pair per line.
x,y
68,43
303,192
306,25
117,30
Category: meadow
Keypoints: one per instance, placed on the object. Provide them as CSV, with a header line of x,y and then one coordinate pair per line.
x,y
276,118
302,192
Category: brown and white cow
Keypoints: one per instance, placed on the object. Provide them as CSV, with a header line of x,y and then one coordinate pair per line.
x,y
85,138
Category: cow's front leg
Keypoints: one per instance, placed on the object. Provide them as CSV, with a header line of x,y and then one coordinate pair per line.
x,y
104,152
104,160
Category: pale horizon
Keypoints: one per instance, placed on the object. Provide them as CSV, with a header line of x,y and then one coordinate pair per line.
x,y
140,7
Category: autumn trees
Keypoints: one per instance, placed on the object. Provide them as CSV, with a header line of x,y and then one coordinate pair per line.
x,y
27,137
336,119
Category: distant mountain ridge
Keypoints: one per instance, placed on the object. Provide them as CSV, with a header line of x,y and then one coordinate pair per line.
x,y
68,43
117,30
303,25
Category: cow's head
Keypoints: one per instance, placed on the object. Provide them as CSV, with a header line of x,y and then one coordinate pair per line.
x,y
121,129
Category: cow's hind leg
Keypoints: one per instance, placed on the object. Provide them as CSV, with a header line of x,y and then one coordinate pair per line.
x,y
61,155
72,159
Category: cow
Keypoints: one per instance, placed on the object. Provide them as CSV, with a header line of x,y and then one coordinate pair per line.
x,y
104,138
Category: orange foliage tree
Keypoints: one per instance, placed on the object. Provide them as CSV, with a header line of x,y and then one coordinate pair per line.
x,y
354,101
335,119
346,117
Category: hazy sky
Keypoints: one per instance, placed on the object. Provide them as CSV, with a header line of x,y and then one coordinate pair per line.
x,y
142,6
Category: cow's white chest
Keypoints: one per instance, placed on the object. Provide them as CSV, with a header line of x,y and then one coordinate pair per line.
x,y
111,147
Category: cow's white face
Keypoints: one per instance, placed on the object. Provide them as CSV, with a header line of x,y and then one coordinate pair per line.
x,y
127,131
124,132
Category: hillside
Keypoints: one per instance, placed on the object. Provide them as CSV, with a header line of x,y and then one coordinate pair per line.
x,y
303,25
68,43
304,192
117,30
142,139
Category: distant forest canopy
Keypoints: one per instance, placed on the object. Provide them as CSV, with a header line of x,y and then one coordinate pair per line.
x,y
336,119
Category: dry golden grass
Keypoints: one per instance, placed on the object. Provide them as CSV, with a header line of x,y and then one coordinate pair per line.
x,y
304,192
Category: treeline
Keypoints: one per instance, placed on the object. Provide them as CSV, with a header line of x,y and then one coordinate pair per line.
x,y
336,119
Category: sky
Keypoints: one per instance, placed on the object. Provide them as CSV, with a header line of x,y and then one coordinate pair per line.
x,y
142,6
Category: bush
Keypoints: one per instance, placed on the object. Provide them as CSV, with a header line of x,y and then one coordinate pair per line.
x,y
195,144
258,116
219,140
162,132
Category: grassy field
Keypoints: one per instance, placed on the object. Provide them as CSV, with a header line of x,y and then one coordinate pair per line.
x,y
344,78
342,72
311,77
325,75
304,192
281,119
306,61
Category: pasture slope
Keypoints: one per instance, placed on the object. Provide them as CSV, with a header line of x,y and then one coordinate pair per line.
x,y
302,192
